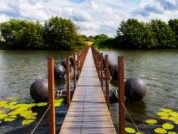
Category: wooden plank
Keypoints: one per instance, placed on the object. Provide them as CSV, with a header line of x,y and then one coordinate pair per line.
x,y
88,112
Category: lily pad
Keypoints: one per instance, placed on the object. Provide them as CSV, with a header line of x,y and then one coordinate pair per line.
x,y
172,132
166,110
58,103
12,98
130,130
163,114
27,122
2,116
9,119
28,115
168,126
160,130
42,104
12,103
151,121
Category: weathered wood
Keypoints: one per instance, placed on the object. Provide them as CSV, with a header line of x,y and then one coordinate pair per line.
x,y
107,79
88,112
68,80
52,118
74,61
101,69
121,95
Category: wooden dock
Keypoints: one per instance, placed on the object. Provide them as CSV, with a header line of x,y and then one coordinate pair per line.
x,y
88,112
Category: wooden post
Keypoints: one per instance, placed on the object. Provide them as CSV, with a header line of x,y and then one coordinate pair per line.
x,y
74,60
52,118
68,80
121,95
107,79
101,71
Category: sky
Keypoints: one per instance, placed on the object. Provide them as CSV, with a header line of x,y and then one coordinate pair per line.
x,y
91,17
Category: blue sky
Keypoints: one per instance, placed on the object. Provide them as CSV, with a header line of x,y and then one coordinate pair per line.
x,y
91,16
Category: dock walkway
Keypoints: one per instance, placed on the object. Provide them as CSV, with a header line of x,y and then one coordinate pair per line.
x,y
88,112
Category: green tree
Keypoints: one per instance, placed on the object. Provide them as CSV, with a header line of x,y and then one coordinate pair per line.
x,y
60,33
135,34
21,34
173,23
99,39
165,36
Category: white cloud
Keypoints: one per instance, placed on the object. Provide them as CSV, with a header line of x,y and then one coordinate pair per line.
x,y
91,16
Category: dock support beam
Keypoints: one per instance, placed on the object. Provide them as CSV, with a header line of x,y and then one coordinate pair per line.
x,y
74,60
68,80
121,95
52,118
107,79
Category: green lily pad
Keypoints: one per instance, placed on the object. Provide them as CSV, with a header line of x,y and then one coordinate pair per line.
x,y
160,130
166,110
2,116
12,98
168,126
130,130
151,121
9,119
58,103
172,132
28,115
42,104
27,122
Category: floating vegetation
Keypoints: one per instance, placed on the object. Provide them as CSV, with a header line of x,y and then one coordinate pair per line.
x,y
27,122
130,130
42,104
168,126
11,109
151,121
160,131
166,123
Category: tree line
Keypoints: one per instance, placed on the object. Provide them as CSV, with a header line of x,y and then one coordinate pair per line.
x,y
56,33
133,34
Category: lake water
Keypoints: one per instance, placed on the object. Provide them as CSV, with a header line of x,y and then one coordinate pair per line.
x,y
158,68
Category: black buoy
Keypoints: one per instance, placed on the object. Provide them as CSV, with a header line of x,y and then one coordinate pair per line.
x,y
59,71
113,69
39,90
135,89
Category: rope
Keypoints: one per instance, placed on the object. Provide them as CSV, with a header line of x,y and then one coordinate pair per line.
x,y
40,119
131,118
116,94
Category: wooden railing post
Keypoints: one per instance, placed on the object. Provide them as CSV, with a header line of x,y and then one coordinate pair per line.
x,y
101,71
52,118
74,60
68,80
107,79
121,95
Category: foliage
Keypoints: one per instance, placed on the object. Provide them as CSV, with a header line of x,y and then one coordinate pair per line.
x,y
132,34
101,40
22,34
57,33
60,33
163,33
173,23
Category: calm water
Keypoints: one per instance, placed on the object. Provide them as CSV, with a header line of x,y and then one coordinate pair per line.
x,y
158,68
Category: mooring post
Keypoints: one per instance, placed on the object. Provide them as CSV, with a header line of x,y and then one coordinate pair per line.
x,y
107,79
101,71
52,118
68,80
74,60
121,95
